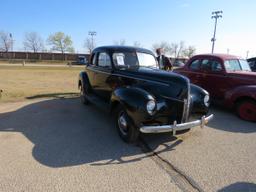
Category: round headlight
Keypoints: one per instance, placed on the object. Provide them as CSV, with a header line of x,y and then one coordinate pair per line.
x,y
207,100
151,106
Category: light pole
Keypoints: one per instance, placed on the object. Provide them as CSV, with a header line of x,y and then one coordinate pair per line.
x,y
92,33
247,54
11,37
215,15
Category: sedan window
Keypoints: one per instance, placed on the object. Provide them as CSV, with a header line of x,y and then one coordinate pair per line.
x,y
216,66
244,65
205,65
125,59
236,65
104,60
195,64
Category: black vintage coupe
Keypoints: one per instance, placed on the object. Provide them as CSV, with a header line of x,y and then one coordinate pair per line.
x,y
252,63
142,98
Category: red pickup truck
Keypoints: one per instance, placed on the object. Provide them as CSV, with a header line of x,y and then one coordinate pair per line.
x,y
227,78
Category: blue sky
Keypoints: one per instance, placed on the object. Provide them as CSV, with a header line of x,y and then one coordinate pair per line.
x,y
146,21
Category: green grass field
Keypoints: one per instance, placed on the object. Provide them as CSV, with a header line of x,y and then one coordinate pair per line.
x,y
20,83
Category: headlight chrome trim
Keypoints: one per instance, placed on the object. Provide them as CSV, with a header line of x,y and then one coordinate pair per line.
x,y
151,106
207,100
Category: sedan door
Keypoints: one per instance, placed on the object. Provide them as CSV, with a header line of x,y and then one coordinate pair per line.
x,y
102,72
194,73
215,79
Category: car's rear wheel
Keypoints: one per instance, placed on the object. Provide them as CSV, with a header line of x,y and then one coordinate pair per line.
x,y
83,96
126,129
246,110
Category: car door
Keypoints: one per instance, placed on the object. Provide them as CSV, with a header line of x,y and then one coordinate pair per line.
x,y
90,70
215,79
194,73
102,72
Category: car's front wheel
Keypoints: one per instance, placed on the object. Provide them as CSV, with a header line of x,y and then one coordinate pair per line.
x,y
127,131
246,110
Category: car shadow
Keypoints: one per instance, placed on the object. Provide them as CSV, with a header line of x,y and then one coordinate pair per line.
x,y
66,133
239,187
226,120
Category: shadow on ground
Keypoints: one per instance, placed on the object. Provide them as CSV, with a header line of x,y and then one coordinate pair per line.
x,y
66,133
239,187
54,95
227,121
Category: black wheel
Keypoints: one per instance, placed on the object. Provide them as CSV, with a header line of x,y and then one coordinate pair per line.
x,y
127,131
83,98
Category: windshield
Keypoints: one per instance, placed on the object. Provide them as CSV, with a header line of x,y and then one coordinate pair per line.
x,y
237,65
134,59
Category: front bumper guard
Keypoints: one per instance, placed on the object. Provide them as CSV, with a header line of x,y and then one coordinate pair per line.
x,y
176,127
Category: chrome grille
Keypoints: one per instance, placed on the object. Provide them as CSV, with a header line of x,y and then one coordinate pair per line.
x,y
186,106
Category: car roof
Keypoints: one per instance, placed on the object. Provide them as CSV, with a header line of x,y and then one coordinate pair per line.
x,y
251,59
115,48
219,55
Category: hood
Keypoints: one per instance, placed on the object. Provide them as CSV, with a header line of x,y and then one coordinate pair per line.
x,y
157,75
178,84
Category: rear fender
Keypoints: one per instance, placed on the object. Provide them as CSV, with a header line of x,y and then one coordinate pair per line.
x,y
233,95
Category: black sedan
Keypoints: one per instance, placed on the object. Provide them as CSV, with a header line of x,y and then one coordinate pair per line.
x,y
252,63
141,98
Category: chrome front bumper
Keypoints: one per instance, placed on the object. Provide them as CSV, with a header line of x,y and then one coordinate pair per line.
x,y
176,127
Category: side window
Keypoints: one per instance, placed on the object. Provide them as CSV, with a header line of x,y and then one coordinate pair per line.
x,y
195,64
216,66
94,59
104,60
206,64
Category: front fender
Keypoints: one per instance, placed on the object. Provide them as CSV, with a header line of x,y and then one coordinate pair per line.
x,y
248,91
134,100
197,100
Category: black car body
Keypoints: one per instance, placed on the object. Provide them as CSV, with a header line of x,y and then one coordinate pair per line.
x,y
252,63
142,97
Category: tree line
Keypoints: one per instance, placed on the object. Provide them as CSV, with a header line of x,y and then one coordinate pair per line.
x,y
33,42
61,42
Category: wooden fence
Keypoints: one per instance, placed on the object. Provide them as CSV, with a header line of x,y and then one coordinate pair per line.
x,y
41,56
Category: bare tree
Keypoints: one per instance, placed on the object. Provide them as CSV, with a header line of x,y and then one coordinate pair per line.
x,y
61,42
89,45
189,52
177,49
137,44
120,42
33,41
6,41
164,45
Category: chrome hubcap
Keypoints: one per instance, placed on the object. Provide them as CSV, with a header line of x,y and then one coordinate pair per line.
x,y
122,123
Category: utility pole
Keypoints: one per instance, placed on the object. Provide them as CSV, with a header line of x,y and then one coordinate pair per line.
x,y
247,54
92,33
11,37
215,15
